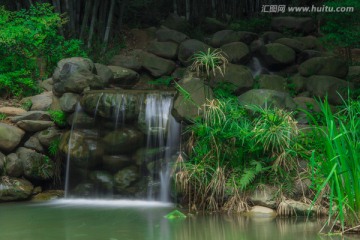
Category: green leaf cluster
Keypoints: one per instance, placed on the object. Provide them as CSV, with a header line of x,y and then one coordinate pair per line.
x,y
29,39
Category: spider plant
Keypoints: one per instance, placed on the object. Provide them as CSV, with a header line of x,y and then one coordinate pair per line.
x,y
210,61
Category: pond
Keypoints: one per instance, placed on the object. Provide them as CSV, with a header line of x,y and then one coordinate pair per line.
x,y
138,220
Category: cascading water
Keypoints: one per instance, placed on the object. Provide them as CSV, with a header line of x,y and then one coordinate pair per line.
x,y
257,68
121,145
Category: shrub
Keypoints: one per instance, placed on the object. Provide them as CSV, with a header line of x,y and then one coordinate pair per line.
x,y
212,60
58,117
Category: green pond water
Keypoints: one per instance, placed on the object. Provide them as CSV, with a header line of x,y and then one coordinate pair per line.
x,y
123,220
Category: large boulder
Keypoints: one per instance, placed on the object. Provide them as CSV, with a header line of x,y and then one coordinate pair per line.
x,y
175,22
188,107
104,72
46,137
328,66
239,76
157,66
264,195
166,35
36,165
270,36
334,88
298,83
75,76
34,125
34,143
267,98
354,74
310,42
306,55
14,189
68,102
83,148
31,115
236,52
296,45
109,104
188,48
277,56
113,163
40,102
131,61
125,140
125,177
304,25
229,36
211,25
10,137
123,77
13,166
163,49
273,82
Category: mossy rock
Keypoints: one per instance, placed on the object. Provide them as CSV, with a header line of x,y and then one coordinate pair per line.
x,y
277,56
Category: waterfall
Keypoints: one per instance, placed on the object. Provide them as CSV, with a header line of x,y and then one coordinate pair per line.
x,y
128,149
257,68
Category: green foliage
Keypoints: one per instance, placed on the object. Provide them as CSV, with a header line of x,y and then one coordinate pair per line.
x,y
231,147
28,39
335,162
342,29
2,116
162,81
212,60
257,25
176,214
54,147
26,105
58,117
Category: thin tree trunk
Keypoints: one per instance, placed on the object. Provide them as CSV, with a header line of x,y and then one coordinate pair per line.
x,y
85,18
213,8
187,9
175,6
93,20
56,4
102,18
108,25
121,16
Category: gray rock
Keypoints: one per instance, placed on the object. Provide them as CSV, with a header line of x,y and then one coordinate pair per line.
x,y
277,55
131,61
34,125
354,74
267,98
68,102
239,76
265,196
328,66
175,22
236,52
114,163
123,77
40,102
2,163
10,137
165,35
261,212
84,63
270,37
102,180
123,141
273,82
157,66
31,115
298,82
296,45
75,77
13,189
228,36
334,88
47,84
104,72
81,120
125,177
36,165
14,166
188,48
34,144
297,24
163,49
46,137
211,25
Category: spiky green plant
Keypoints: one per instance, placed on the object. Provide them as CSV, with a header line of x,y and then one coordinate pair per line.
x,y
210,61
336,162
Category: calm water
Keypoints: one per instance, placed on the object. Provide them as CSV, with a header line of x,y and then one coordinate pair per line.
x,y
123,221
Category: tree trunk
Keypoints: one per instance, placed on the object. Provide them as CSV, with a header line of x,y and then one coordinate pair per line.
x,y
93,20
108,25
85,18
121,16
102,18
187,9
175,6
213,8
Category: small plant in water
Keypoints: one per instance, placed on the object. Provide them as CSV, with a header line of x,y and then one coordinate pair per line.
x,y
212,60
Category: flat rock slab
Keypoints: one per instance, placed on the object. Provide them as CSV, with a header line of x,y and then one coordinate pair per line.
x,y
31,115
12,111
34,125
